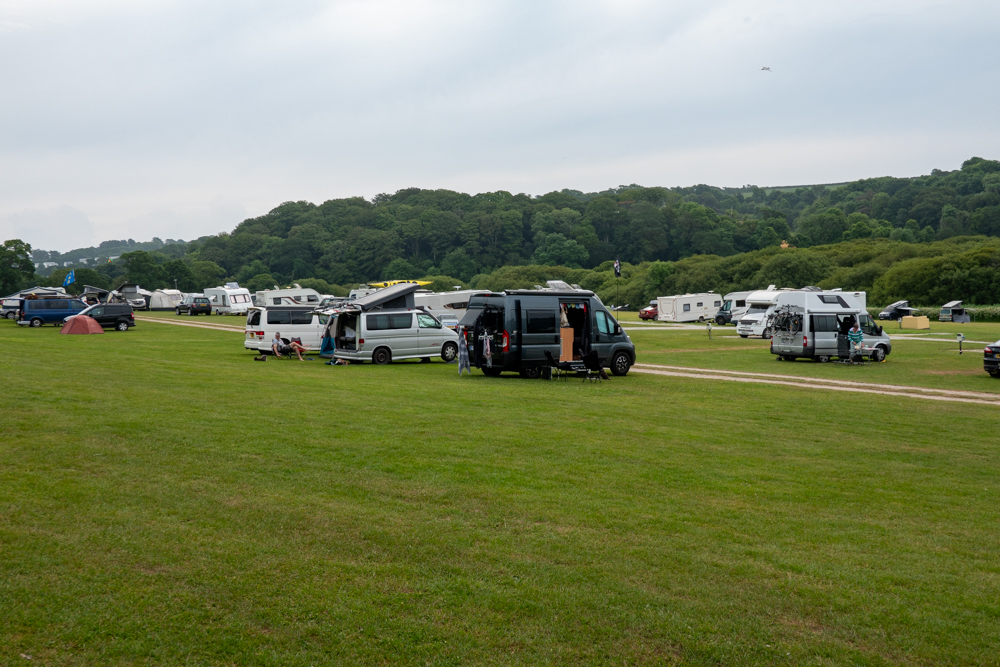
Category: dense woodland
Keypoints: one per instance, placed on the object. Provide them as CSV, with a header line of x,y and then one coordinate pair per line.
x,y
929,239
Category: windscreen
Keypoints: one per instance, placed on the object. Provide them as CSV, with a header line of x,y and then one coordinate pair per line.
x,y
756,310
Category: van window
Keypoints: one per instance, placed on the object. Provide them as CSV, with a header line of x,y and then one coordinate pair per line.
x,y
603,325
824,323
323,319
253,319
299,317
541,321
727,306
460,305
312,298
98,311
718,303
833,299
425,321
279,317
393,321
741,304
687,307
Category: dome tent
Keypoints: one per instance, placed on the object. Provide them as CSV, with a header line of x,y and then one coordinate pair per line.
x,y
81,324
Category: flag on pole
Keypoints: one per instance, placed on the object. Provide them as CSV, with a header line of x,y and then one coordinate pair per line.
x,y
69,279
618,269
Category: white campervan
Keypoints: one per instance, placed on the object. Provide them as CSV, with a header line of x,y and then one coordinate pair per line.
x,y
292,296
734,305
290,321
385,326
755,320
688,307
229,300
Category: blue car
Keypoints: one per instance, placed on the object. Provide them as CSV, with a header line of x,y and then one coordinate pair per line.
x,y
36,312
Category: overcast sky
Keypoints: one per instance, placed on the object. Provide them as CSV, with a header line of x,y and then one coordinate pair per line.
x,y
177,119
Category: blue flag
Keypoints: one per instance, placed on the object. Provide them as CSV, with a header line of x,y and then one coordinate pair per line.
x,y
70,278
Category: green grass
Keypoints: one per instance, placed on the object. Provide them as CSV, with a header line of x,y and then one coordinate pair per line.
x,y
166,500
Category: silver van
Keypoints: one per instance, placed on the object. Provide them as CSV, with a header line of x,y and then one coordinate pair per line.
x,y
814,325
385,326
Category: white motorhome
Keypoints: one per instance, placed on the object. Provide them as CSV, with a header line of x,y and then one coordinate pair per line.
x,y
444,303
734,305
293,296
761,306
229,300
688,307
814,324
290,321
386,326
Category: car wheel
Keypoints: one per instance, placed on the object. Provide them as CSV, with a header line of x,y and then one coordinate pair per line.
x,y
11,316
878,354
449,351
701,319
766,333
190,312
381,356
530,373
720,320
177,311
36,322
492,371
744,335
122,326
994,374
822,358
620,364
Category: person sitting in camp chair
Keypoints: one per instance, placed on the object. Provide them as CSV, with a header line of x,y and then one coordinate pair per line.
x,y
278,347
856,339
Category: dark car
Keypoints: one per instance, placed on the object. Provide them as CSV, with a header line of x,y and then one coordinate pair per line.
x,y
111,315
195,305
991,359
649,312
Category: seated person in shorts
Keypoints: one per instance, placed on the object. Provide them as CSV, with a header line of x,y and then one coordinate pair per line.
x,y
278,346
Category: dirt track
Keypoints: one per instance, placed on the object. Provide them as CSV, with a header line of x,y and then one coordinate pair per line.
x,y
925,393
199,325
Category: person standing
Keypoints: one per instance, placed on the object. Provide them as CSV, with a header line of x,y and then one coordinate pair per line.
x,y
463,353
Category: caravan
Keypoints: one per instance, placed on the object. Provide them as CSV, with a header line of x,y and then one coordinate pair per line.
x,y
452,303
688,307
229,300
292,296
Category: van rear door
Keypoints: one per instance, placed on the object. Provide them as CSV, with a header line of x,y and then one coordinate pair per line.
x,y
541,333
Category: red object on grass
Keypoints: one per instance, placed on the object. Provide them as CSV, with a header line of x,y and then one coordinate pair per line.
x,y
81,324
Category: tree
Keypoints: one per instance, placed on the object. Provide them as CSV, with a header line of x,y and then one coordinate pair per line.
x,y
399,269
459,263
557,250
141,269
177,270
16,267
208,274
793,269
264,281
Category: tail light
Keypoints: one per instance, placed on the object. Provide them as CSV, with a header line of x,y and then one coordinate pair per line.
x,y
987,350
805,341
506,342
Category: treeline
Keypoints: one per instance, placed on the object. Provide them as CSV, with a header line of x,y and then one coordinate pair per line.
x,y
682,239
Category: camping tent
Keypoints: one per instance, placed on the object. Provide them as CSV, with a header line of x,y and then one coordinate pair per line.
x,y
81,324
165,299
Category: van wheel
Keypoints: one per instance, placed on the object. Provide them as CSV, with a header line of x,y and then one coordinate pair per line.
x,y
620,364
787,358
449,351
822,358
878,354
381,356
720,320
492,371
121,326
36,322
530,373
766,334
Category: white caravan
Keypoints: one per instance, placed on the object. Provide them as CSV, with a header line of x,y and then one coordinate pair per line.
x,y
293,296
444,303
229,300
688,307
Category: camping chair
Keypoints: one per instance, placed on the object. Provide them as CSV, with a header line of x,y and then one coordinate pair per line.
x,y
562,367
592,363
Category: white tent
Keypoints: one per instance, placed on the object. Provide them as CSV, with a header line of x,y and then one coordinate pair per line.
x,y
165,299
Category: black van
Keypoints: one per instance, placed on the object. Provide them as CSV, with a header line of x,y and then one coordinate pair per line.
x,y
112,315
522,325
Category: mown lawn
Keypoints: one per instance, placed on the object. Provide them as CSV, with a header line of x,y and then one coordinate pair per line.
x,y
166,500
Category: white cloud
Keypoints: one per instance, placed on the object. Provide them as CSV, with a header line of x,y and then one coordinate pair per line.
x,y
147,115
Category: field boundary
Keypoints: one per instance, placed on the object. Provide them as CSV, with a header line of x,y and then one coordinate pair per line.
x,y
925,393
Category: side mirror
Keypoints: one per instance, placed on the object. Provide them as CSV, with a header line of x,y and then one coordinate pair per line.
x,y
880,331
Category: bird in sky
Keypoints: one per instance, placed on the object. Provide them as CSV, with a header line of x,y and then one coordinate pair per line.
x,y
765,69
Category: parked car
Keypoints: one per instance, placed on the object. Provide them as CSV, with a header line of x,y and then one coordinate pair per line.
x,y
110,315
991,359
649,312
36,312
9,308
195,305
448,320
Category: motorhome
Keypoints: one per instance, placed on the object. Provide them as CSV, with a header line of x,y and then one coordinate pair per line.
x,y
444,303
688,307
759,306
387,325
734,305
291,321
814,325
229,300
529,329
292,296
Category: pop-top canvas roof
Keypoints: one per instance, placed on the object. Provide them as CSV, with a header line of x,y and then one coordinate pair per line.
x,y
952,304
383,296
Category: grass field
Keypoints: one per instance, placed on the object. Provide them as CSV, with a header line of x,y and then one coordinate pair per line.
x,y
166,500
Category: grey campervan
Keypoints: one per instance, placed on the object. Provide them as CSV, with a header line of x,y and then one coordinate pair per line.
x,y
814,325
523,325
